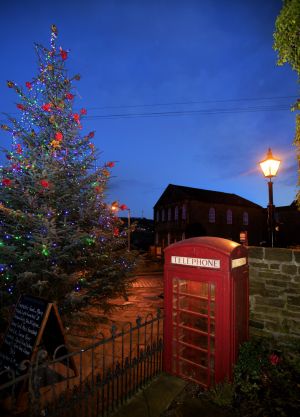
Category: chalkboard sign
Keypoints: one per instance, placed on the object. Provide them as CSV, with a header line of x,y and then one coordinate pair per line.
x,y
35,325
22,335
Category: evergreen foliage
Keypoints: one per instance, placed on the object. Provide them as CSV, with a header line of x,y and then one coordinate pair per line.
x,y
287,44
59,239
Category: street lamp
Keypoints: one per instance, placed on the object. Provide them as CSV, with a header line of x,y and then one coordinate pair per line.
x,y
269,167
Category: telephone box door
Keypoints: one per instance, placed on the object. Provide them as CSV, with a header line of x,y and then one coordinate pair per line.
x,y
193,322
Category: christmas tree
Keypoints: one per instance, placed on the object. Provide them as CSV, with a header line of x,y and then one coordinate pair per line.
x,y
59,238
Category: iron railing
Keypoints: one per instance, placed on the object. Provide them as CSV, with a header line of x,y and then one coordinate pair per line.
x,y
92,382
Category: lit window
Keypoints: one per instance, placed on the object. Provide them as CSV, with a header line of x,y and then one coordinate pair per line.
x,y
245,218
229,216
184,212
212,215
156,238
157,216
163,215
169,214
176,213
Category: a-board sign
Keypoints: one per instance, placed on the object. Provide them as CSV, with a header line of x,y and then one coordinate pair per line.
x,y
21,336
35,325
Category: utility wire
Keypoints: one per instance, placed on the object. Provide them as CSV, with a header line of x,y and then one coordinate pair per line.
x,y
194,102
267,107
201,112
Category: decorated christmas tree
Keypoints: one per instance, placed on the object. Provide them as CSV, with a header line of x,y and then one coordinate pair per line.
x,y
59,238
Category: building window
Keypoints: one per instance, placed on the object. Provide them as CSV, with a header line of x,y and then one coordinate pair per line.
x,y
163,215
156,238
169,239
212,215
169,214
245,218
183,236
176,213
157,216
229,216
184,212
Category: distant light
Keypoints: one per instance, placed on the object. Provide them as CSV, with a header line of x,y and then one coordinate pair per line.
x,y
270,165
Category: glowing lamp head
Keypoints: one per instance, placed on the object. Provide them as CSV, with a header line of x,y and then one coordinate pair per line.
x,y
270,165
115,206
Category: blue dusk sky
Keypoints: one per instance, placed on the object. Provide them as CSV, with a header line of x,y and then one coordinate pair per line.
x,y
178,91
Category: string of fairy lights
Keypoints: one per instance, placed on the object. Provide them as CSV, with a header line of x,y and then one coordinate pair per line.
x,y
50,162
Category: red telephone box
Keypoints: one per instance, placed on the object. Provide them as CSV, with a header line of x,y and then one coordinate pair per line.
x,y
206,296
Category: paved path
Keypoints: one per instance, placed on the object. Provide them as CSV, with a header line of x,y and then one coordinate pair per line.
x,y
144,298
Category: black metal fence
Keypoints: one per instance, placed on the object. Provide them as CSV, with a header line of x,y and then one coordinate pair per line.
x,y
92,382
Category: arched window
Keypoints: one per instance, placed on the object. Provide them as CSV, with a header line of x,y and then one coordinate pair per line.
x,y
169,214
212,215
245,218
229,216
176,213
184,212
163,215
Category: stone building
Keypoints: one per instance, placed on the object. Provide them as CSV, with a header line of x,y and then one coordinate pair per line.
x,y
183,212
287,226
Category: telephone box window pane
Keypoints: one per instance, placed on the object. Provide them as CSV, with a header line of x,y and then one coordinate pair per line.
x,y
191,354
190,337
192,304
186,318
195,288
193,372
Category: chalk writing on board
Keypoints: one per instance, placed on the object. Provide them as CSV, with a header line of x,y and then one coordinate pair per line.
x,y
22,333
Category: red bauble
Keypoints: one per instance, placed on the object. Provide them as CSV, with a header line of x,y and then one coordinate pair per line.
x,y
19,149
59,136
110,164
44,183
76,117
91,134
6,182
123,207
47,107
28,85
116,231
69,96
83,111
63,54
20,106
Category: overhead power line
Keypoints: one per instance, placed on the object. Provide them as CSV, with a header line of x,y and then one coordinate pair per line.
x,y
172,103
202,112
206,110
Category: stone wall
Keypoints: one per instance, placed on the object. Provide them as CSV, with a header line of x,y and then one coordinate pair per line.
x,y
275,293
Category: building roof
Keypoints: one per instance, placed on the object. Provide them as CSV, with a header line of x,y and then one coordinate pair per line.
x,y
291,207
179,193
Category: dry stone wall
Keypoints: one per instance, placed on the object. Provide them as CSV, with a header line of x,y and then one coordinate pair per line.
x,y
275,293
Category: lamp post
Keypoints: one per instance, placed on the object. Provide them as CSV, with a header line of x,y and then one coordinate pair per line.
x,y
269,167
128,234
115,207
